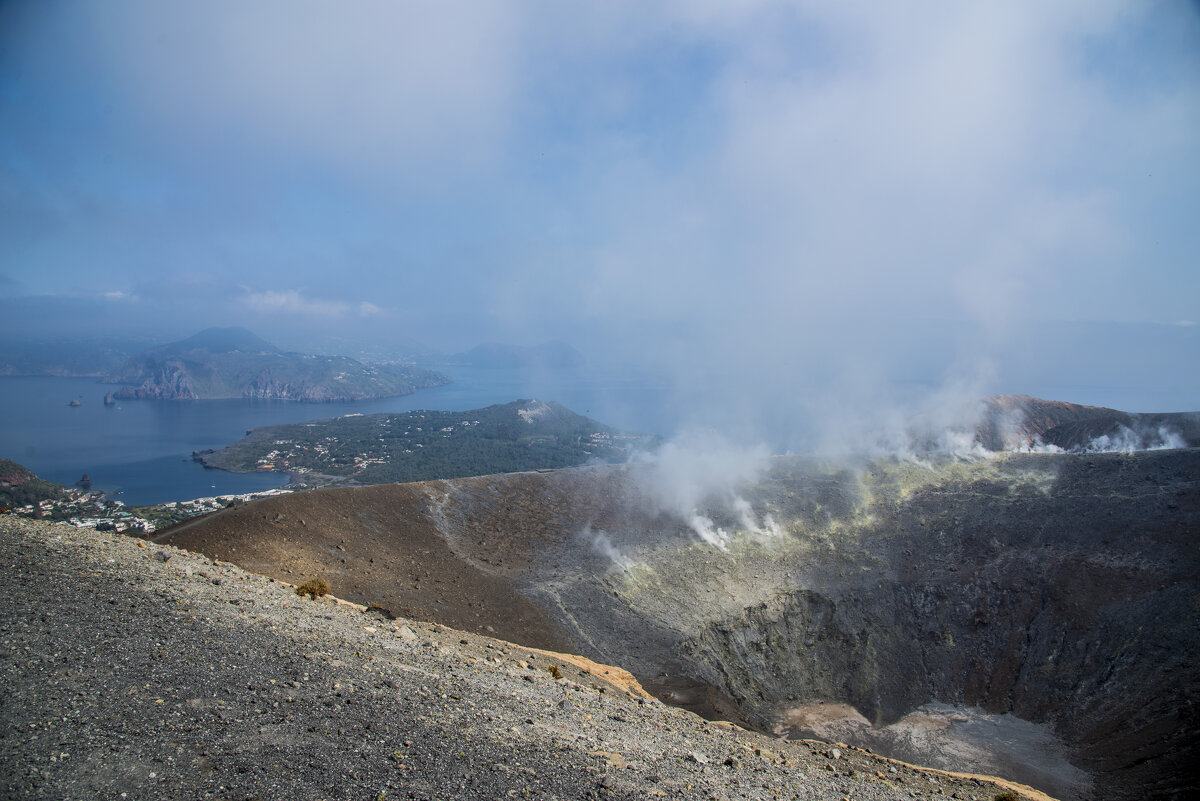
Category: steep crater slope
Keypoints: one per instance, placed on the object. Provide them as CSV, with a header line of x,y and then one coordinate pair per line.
x,y
1057,589
1019,422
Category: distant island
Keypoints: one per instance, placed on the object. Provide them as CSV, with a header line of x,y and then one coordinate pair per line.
x,y
222,363
67,357
425,445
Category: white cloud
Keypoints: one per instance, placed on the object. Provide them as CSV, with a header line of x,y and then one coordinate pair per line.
x,y
963,163
294,302
368,87
765,196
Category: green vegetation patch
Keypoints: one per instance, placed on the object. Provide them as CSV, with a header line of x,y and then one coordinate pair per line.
x,y
427,445
19,486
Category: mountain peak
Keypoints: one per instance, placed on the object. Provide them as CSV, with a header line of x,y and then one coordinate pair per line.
x,y
224,340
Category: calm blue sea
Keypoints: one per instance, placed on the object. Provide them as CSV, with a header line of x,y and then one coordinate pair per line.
x,y
140,451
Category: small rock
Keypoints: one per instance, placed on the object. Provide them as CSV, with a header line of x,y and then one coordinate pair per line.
x,y
698,758
162,556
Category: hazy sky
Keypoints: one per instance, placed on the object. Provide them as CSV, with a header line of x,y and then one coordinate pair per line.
x,y
762,194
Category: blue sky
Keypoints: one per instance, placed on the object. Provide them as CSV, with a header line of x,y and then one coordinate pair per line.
x,y
777,196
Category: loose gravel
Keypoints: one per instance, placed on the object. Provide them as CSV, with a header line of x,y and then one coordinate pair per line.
x,y
136,671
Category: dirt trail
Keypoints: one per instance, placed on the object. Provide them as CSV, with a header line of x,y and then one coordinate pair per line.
x,y
142,671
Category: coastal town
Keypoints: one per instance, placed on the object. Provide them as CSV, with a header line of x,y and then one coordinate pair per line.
x,y
92,509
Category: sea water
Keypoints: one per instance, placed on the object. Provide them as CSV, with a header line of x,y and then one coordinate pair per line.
x,y
139,451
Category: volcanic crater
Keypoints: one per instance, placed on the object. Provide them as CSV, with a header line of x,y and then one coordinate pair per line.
x,y
1041,606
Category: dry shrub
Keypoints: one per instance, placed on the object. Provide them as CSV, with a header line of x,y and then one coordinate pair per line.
x,y
314,588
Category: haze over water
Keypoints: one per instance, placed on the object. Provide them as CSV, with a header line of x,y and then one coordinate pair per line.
x,y
139,451
790,208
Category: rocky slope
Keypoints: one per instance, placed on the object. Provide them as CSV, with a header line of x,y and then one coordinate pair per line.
x,y
1019,422
152,673
20,486
1049,589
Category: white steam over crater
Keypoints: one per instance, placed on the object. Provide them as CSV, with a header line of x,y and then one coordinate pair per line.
x,y
697,475
603,545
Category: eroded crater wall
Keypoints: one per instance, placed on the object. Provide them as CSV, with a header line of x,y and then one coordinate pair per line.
x,y
1063,590
1060,588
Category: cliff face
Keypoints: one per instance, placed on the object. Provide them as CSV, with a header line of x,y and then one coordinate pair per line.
x,y
1072,606
1057,588
159,381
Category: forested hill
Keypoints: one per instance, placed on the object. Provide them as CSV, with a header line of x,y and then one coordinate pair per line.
x,y
425,445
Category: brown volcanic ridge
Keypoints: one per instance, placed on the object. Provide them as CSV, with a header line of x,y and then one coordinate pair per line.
x,y
1028,615
1017,422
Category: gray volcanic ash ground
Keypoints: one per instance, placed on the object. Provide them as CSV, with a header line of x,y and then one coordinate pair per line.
x,y
1053,591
